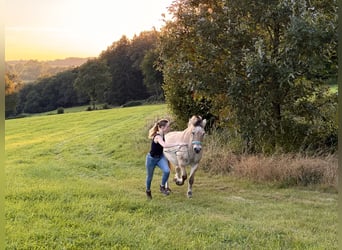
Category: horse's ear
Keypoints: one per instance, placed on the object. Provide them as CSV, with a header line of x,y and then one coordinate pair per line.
x,y
204,122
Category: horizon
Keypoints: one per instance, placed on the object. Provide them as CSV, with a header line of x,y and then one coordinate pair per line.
x,y
55,30
49,60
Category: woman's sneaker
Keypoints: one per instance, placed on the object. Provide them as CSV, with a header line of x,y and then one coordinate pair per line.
x,y
164,190
149,194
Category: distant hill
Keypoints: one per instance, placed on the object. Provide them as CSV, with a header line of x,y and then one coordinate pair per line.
x,y
31,70
68,62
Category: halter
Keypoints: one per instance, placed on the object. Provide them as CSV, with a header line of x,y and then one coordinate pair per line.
x,y
196,142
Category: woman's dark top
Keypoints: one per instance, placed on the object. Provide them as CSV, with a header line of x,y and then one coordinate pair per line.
x,y
156,148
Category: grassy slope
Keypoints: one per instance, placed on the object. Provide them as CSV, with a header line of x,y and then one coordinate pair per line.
x,y
76,181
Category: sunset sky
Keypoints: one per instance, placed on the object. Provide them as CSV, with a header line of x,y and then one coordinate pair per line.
x,y
56,29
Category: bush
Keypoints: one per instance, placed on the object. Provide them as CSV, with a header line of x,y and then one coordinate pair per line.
x,y
282,169
105,106
60,110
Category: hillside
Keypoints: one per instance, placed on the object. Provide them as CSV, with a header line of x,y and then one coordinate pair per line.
x,y
78,181
31,70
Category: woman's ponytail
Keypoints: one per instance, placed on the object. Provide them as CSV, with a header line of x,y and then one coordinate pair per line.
x,y
153,131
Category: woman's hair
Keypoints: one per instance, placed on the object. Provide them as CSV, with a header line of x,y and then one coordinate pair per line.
x,y
153,131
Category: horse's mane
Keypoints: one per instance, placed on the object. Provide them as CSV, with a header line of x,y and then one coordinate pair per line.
x,y
195,121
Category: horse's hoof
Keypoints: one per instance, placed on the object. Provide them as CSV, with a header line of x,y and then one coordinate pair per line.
x,y
180,183
189,194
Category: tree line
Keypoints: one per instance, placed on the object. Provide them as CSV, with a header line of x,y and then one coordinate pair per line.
x,y
259,71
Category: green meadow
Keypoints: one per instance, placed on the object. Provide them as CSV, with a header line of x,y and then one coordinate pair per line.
x,y
77,181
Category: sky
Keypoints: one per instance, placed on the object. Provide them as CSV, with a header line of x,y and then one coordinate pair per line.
x,y
57,29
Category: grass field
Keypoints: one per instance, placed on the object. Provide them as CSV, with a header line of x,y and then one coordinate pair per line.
x,y
77,181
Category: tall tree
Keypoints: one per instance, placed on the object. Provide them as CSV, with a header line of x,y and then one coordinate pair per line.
x,y
124,58
93,79
12,87
153,78
260,65
120,66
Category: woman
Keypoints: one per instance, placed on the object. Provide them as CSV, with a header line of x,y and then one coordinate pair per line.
x,y
156,158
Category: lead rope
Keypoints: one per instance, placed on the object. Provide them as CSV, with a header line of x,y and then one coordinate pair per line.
x,y
177,149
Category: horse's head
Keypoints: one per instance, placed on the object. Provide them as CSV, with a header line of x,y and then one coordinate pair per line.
x,y
197,132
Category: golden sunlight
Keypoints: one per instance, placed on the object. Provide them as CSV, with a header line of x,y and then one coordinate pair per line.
x,y
45,30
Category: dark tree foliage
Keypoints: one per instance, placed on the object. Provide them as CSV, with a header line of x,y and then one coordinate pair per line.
x,y
49,93
124,58
153,78
12,86
145,57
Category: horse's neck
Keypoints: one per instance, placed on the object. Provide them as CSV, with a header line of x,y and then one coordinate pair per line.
x,y
187,135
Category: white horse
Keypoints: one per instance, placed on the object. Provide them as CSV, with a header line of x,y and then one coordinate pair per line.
x,y
188,154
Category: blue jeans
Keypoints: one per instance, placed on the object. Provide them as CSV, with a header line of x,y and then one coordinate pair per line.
x,y
151,163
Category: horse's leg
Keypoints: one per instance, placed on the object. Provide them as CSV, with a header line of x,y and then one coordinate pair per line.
x,y
181,175
178,177
191,179
184,174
